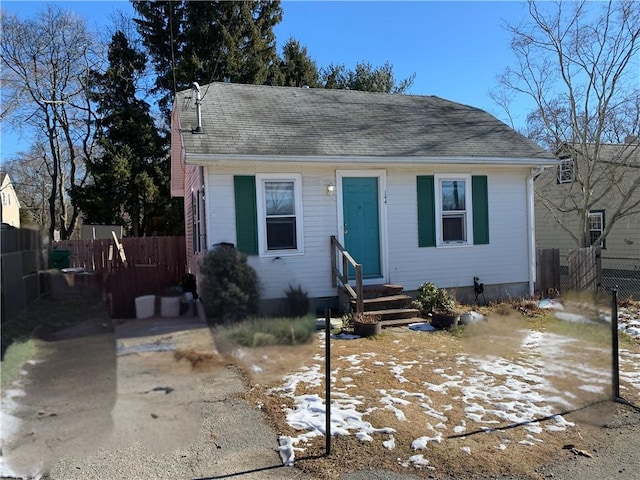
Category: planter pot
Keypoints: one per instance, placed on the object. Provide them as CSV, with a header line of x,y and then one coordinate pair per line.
x,y
145,306
445,320
170,306
367,329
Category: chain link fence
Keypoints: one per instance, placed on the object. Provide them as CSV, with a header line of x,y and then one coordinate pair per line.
x,y
623,272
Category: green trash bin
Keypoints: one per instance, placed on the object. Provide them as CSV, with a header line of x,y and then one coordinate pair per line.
x,y
59,259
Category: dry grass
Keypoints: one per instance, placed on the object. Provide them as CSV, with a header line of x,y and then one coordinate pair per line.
x,y
421,354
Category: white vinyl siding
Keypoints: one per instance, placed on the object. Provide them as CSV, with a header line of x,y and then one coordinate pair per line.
x,y
503,261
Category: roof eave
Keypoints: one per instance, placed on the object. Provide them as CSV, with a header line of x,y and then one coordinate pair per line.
x,y
203,159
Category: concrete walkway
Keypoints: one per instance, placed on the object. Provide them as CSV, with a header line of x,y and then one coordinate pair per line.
x,y
151,399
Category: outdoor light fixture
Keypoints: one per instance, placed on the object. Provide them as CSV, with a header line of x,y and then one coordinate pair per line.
x,y
331,189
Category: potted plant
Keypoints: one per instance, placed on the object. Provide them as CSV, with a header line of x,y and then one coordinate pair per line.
x,y
437,304
366,325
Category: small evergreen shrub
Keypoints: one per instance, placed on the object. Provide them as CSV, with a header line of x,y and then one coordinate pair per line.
x,y
430,298
297,301
229,288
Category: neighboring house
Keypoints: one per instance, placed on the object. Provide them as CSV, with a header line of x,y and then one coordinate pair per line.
x,y
613,177
417,188
10,204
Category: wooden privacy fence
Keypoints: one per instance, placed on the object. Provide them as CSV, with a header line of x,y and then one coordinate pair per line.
x,y
548,271
101,256
153,265
583,271
585,268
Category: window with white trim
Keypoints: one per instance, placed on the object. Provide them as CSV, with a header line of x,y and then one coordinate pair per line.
x,y
453,210
565,171
596,227
279,200
197,210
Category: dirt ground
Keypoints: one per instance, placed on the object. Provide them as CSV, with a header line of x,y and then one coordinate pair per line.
x,y
154,400
604,438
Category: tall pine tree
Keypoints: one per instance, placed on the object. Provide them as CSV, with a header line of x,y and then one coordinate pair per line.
x,y
208,41
296,69
130,176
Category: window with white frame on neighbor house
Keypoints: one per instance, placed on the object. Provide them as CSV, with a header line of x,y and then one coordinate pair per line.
x,y
280,213
596,227
453,207
565,171
196,214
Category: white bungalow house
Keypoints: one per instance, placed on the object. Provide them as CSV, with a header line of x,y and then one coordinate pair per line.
x,y
10,205
415,188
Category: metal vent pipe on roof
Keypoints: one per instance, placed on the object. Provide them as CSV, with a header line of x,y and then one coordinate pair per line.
x,y
198,128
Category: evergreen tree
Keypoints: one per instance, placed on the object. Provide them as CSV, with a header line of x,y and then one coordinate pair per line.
x,y
130,177
296,69
208,41
366,78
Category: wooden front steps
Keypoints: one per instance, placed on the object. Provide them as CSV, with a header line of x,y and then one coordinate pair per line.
x,y
389,303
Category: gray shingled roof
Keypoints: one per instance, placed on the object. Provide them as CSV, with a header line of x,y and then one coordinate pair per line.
x,y
259,120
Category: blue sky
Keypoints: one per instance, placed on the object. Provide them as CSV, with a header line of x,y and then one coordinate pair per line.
x,y
456,49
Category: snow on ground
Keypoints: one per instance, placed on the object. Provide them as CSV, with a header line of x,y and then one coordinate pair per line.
x,y
500,392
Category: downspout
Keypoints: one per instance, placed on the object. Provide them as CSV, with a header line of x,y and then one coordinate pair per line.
x,y
531,227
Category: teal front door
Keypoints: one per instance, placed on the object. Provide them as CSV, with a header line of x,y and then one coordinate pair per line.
x,y
362,223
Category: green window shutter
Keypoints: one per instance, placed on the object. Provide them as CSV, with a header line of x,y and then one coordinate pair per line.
x,y
480,200
426,211
244,187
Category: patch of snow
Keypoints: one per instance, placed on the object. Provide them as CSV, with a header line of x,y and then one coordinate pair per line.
x,y
421,442
466,450
121,350
417,461
549,303
572,317
389,444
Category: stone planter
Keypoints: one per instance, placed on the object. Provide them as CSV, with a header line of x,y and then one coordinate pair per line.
x,y
367,329
445,320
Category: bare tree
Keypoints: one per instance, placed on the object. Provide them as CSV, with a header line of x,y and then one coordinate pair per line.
x,y
45,63
578,63
31,182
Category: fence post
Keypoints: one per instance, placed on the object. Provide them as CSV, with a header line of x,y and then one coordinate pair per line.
x,y
614,343
327,380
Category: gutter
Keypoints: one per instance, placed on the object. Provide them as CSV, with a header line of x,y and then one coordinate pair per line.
x,y
531,227
231,158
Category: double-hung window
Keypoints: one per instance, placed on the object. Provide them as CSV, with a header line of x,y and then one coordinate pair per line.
x,y
197,212
453,210
565,171
596,227
279,201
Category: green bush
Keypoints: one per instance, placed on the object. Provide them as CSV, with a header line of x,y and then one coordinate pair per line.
x,y
257,332
430,298
297,302
229,287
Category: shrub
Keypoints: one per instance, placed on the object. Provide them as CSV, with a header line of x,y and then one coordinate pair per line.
x,y
297,302
430,298
229,288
